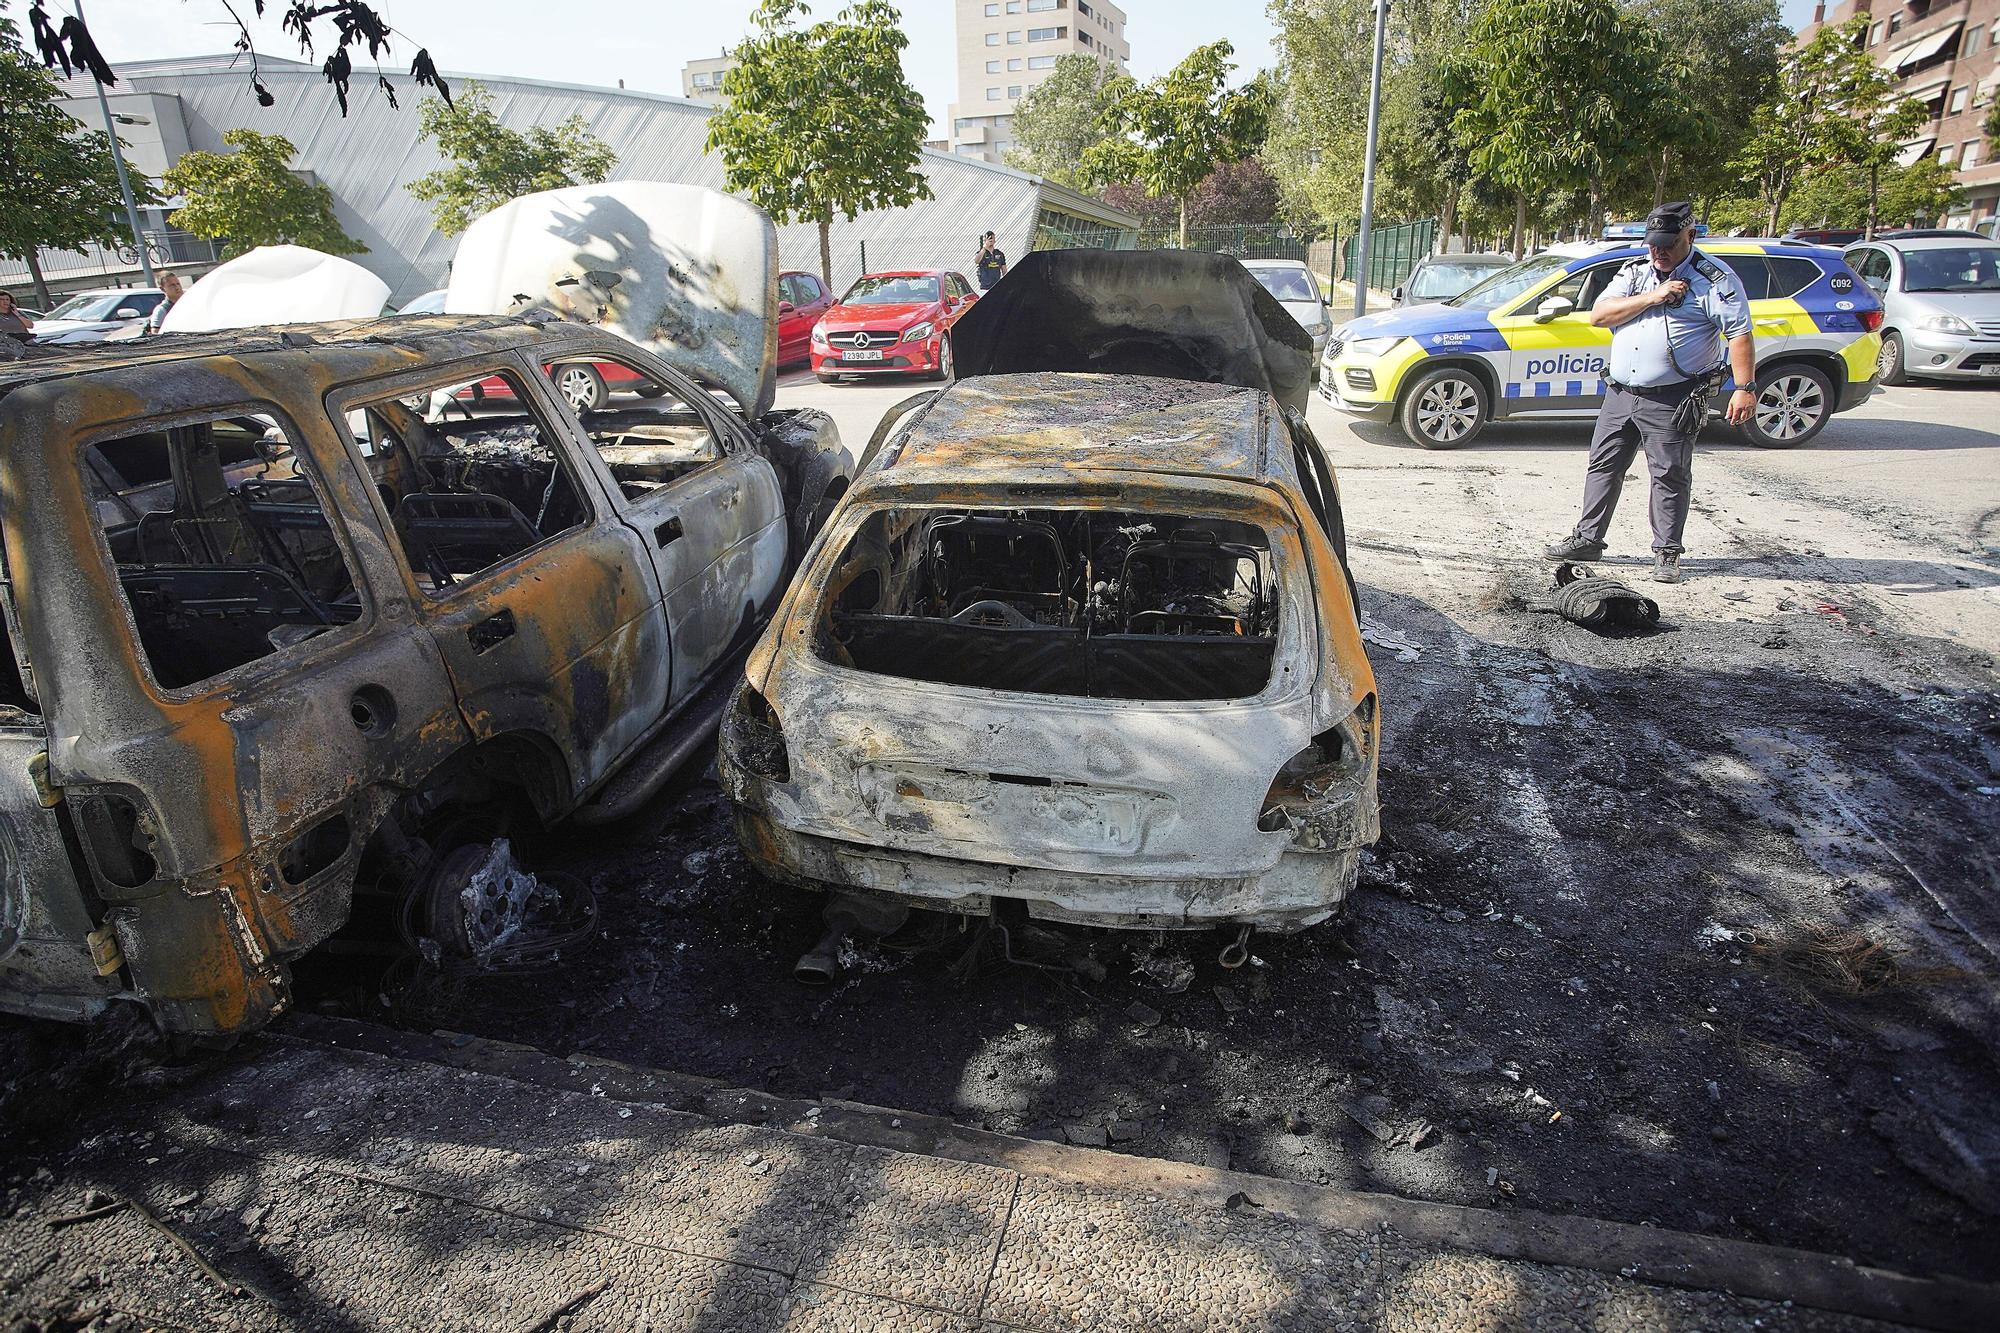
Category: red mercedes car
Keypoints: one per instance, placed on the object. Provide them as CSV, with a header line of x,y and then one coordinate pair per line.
x,y
892,324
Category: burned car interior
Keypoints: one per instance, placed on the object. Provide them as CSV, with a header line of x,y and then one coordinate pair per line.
x,y
1090,603
219,564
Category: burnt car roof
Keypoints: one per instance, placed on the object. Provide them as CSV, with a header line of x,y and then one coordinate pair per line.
x,y
414,335
1179,314
1000,424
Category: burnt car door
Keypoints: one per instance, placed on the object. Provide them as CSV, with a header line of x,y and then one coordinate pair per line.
x,y
543,604
706,506
240,695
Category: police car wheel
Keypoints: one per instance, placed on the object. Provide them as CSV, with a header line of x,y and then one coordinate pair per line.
x,y
1444,409
1889,364
1793,402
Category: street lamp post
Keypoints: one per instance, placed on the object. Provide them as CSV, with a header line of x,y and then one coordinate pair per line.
x,y
1368,165
124,181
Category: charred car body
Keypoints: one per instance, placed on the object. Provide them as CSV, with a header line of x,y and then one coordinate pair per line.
x,y
1081,635
244,694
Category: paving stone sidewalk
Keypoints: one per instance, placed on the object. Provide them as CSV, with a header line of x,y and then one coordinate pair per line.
x,y
342,1189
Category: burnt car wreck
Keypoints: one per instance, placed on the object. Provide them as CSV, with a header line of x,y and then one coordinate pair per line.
x,y
1081,637
283,607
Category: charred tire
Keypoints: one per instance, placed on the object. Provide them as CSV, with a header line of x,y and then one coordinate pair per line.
x,y
1794,402
1444,408
1890,367
581,387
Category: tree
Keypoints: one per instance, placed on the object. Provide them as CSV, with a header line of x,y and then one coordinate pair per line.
x,y
1917,194
1171,133
1719,64
1559,94
1062,117
491,164
821,120
251,197
1236,194
1832,106
58,180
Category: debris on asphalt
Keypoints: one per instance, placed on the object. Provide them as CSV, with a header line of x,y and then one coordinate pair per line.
x,y
1375,632
1143,1014
1367,1112
1171,972
1231,1002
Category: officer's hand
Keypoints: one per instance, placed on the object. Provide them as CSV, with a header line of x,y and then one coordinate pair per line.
x,y
1672,290
1741,404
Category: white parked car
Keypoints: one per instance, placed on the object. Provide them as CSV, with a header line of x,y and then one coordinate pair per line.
x,y
1940,304
93,316
1298,291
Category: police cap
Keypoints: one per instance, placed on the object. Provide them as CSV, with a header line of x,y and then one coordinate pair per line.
x,y
1665,224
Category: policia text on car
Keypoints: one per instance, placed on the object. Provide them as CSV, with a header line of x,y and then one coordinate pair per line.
x,y
1669,314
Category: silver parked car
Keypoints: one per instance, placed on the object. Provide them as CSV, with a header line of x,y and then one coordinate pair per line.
x,y
1297,290
1941,305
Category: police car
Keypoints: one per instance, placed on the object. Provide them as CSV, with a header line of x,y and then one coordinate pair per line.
x,y
1520,345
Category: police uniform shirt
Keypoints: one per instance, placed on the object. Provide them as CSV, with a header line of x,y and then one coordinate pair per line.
x,y
1670,344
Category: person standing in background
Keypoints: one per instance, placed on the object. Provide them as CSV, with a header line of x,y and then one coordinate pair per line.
x,y
991,262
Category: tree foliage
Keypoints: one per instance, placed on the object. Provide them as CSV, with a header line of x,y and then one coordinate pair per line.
x,y
57,178
251,197
491,164
1718,66
1919,193
1559,94
1832,107
820,119
1236,194
1062,118
1171,133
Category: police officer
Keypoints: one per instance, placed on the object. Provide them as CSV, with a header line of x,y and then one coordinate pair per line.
x,y
1669,314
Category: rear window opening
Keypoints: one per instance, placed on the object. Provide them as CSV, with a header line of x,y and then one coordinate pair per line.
x,y
1090,603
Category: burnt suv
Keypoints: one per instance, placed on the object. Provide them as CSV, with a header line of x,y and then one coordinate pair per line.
x,y
281,604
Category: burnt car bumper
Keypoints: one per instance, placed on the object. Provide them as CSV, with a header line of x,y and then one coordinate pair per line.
x,y
1302,889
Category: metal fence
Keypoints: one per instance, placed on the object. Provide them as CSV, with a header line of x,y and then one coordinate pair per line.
x,y
1264,241
1392,252
110,265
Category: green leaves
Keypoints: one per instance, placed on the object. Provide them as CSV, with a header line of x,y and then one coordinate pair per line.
x,y
492,164
252,198
820,119
1171,133
1063,117
57,178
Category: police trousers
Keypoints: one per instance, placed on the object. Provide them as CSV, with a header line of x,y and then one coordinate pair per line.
x,y
1627,421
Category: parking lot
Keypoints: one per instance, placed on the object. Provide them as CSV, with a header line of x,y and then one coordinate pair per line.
x,y
1695,928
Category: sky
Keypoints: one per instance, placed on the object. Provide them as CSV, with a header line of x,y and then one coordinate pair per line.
x,y
601,41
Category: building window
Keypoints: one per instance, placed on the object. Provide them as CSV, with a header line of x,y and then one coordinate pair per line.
x,y
1014,37
1946,153
1968,155
1972,36
993,39
992,67
1046,34
1083,7
992,11
1895,24
1037,6
1013,6
1013,90
992,94
1957,101
1014,63
1041,62
1874,33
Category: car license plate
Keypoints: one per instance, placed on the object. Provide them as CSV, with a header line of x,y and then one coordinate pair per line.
x,y
1991,372
860,356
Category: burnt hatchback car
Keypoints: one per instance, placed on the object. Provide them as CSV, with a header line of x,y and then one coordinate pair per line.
x,y
1081,637
240,697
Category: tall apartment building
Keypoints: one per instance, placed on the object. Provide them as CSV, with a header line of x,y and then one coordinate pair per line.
x,y
1942,53
1006,47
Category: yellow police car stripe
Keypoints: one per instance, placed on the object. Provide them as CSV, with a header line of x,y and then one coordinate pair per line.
x,y
1387,369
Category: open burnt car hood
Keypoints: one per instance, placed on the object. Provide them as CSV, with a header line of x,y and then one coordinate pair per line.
x,y
688,272
1177,314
